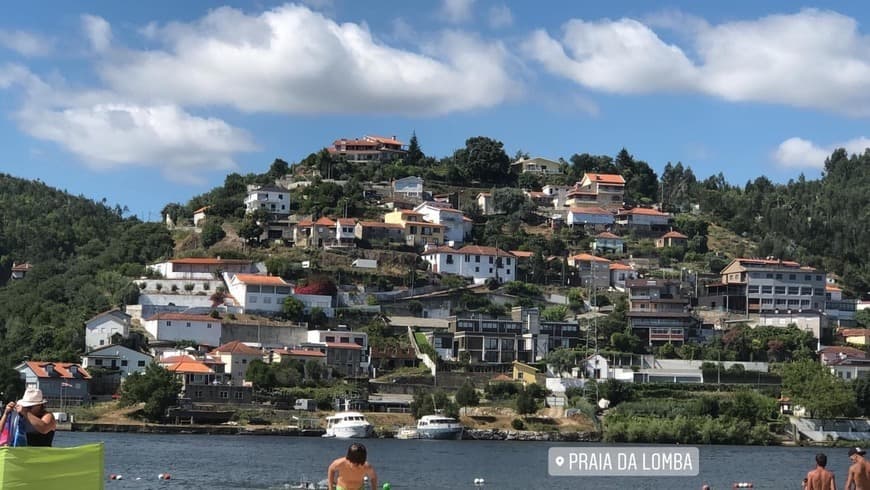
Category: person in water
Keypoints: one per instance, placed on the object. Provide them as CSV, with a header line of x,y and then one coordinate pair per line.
x,y
859,472
40,423
351,470
820,478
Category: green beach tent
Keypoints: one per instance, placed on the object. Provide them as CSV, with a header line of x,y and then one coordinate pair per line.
x,y
52,468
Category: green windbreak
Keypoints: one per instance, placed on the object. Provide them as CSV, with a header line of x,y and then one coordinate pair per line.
x,y
52,468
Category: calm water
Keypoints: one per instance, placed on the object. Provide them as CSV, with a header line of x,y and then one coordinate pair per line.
x,y
235,462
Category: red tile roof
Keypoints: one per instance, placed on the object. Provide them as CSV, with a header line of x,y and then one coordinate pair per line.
x,y
385,141
202,209
843,349
324,221
674,234
606,178
61,368
346,221
588,257
590,210
616,266
831,287
607,234
193,367
643,211
21,267
256,279
236,347
439,250
208,261
182,317
299,352
480,250
855,332
306,223
523,254
786,263
176,359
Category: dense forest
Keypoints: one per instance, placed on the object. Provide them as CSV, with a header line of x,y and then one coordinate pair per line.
x,y
86,251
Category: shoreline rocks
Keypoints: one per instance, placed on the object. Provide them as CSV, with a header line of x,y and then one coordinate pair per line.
x,y
529,435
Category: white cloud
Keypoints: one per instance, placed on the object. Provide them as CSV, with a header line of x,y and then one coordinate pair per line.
x,y
106,133
293,60
801,153
99,32
25,43
457,11
403,31
500,16
812,59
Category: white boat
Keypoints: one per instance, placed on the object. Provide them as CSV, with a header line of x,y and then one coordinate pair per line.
x,y
348,425
407,433
439,427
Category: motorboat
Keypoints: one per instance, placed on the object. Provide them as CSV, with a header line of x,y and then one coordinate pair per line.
x,y
348,425
407,433
439,427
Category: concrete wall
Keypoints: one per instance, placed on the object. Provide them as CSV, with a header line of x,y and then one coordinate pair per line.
x,y
266,335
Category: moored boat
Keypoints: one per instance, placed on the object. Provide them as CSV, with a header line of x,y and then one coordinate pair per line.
x,y
439,427
348,425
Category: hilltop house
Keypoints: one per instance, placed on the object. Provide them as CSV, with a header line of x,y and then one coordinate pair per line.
x,y
417,230
672,239
199,215
536,165
255,292
592,271
201,268
19,271
473,261
606,242
271,198
589,216
100,329
202,329
457,226
62,383
658,312
602,190
408,188
367,149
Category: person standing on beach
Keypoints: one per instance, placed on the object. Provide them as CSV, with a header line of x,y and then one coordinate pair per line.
x,y
351,470
820,478
859,472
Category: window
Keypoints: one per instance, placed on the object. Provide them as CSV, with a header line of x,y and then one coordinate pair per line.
x,y
752,290
491,260
818,278
168,323
188,325
225,394
477,258
808,277
766,289
449,258
769,275
244,361
280,197
490,343
102,342
794,290
140,363
252,299
779,290
779,276
413,230
467,258
238,395
123,363
208,325
267,300
792,277
508,262
477,269
490,270
344,340
330,338
98,362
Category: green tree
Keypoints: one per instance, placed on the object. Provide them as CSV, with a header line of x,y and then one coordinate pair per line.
x,y
260,375
156,387
863,317
467,396
555,313
293,309
212,232
250,231
483,159
812,386
415,155
525,402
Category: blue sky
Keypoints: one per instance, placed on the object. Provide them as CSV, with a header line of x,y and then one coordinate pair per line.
x,y
146,103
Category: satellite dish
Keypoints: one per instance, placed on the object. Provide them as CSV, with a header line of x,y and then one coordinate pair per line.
x,y
603,403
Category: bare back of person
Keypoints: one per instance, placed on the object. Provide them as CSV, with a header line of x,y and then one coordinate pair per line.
x,y
350,476
820,479
859,475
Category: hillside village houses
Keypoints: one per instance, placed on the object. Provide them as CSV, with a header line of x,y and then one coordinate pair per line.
x,y
418,231
457,225
199,215
592,271
62,383
601,190
606,242
672,239
202,329
273,199
408,188
117,357
586,216
367,149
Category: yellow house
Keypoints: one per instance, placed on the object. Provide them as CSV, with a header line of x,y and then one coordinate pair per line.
x,y
525,373
856,336
417,231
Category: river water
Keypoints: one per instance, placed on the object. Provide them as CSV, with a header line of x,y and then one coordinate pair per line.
x,y
237,462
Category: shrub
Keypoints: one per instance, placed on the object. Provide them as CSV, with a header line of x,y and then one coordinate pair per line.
x,y
189,287
518,424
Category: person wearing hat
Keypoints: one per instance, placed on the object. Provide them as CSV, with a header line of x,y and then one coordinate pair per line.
x,y
859,472
40,423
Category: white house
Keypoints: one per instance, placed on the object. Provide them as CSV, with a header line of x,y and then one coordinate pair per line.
x,y
274,199
255,292
236,357
201,329
484,202
619,273
344,230
537,165
408,187
589,216
200,268
474,261
124,359
199,215
607,242
458,226
642,217
100,329
845,362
